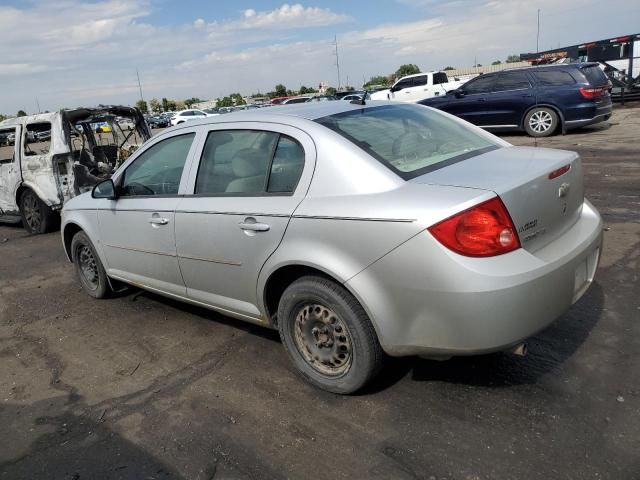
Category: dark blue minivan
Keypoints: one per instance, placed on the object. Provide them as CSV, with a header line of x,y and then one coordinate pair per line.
x,y
538,100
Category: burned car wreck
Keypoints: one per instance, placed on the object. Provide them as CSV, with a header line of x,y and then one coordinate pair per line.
x,y
48,158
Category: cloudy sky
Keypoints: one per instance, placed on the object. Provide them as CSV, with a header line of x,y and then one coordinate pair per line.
x,y
69,53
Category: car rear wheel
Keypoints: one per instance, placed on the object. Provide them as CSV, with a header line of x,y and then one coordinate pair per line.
x,y
37,217
328,335
541,122
88,266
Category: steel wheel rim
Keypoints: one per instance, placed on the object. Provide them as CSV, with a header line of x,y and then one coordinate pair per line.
x,y
32,212
540,121
88,266
323,340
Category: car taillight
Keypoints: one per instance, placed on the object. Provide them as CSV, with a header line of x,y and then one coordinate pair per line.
x,y
485,230
588,92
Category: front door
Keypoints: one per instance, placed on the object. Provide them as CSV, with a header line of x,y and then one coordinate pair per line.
x,y
247,186
138,229
471,106
510,97
9,169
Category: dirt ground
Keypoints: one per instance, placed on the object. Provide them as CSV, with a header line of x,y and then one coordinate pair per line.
x,y
140,387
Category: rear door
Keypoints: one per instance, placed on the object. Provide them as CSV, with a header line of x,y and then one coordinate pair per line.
x,y
419,89
510,97
248,184
470,106
9,168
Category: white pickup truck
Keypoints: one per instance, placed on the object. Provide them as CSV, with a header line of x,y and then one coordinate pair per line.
x,y
413,88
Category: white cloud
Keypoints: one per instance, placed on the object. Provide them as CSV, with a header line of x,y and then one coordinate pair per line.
x,y
71,53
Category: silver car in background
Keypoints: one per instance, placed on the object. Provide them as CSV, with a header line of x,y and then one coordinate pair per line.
x,y
355,230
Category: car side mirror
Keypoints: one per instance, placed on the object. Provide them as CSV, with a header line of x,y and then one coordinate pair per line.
x,y
459,93
105,189
394,89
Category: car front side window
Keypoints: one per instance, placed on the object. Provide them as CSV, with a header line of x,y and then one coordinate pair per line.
x,y
158,170
483,84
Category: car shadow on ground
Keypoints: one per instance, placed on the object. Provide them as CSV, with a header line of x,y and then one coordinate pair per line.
x,y
73,447
547,351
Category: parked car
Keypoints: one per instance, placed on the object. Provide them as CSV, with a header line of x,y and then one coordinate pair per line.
x,y
418,87
190,114
355,230
293,100
53,157
539,100
158,121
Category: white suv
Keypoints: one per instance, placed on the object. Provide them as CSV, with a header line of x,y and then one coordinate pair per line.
x,y
191,114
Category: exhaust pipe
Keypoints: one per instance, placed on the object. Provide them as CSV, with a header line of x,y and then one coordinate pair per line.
x,y
520,350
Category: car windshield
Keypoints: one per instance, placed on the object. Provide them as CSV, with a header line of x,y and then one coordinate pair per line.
x,y
410,140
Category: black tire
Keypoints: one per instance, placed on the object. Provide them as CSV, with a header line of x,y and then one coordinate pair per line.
x,y
37,217
317,316
541,122
88,266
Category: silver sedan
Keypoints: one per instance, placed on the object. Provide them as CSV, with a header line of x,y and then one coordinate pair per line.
x,y
357,231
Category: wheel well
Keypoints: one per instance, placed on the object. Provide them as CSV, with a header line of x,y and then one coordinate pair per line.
x,y
281,279
69,232
19,192
545,105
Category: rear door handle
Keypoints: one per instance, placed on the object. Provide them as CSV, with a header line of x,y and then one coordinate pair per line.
x,y
482,99
158,221
251,225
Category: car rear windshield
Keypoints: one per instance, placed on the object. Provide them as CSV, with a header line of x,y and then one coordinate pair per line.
x,y
409,139
595,76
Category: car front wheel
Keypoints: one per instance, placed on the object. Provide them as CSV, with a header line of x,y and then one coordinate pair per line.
x,y
328,335
541,122
88,266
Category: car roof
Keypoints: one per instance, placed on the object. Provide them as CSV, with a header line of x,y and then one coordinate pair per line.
x,y
544,67
287,113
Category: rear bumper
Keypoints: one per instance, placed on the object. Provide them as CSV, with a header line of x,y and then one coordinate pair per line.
x,y
426,300
590,116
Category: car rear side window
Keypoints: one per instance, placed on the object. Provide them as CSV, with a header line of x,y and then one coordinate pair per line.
x,y
511,81
249,162
440,77
409,139
158,170
481,84
553,78
38,139
7,145
595,76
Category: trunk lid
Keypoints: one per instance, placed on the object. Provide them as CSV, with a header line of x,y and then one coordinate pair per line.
x,y
542,208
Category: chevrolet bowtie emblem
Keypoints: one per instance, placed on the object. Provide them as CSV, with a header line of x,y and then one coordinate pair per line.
x,y
563,191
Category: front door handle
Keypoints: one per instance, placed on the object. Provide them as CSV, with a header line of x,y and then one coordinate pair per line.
x,y
250,224
158,221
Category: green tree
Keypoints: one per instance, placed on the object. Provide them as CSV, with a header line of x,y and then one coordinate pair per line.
x,y
165,104
304,90
513,58
280,90
171,106
154,105
497,62
449,68
330,91
376,81
22,113
478,65
190,101
349,88
224,102
407,69
2,117
142,106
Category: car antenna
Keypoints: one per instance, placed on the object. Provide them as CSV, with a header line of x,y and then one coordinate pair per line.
x,y
361,101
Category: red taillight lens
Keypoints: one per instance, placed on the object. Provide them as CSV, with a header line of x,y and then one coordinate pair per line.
x,y
591,93
485,230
